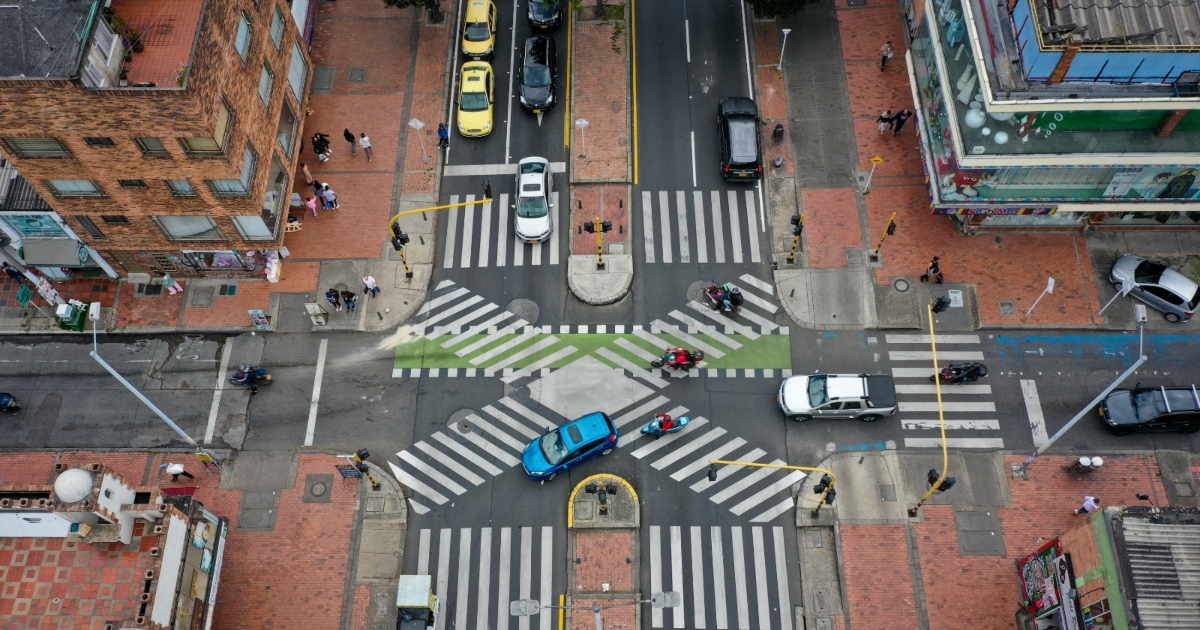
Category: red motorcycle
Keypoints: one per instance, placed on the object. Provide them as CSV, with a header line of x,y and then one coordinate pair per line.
x,y
678,359
724,298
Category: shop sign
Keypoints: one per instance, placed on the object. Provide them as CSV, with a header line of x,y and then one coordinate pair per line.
x,y
994,210
1039,588
1062,576
24,296
35,225
48,292
259,317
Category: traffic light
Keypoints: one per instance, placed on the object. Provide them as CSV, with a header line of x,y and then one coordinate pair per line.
x,y
797,226
829,497
589,227
606,226
947,484
712,472
932,478
826,481
399,238
891,228
940,304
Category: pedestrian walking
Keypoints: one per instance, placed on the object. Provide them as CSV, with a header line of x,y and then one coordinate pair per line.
x,y
317,188
13,273
901,117
349,136
886,52
175,470
934,271
307,174
350,299
487,189
330,197
443,136
320,142
370,287
1090,504
311,204
365,143
885,120
334,299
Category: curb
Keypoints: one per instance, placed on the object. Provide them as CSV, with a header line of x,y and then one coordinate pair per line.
x,y
607,286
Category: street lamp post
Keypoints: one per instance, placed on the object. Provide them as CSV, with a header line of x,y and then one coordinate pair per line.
x,y
582,123
779,68
529,607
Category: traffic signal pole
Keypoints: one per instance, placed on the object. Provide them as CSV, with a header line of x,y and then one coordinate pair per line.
x,y
824,488
797,230
937,381
599,227
400,239
890,230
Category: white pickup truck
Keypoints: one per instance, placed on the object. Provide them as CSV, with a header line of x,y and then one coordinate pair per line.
x,y
867,397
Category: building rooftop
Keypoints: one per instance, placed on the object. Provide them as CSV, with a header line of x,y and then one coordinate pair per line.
x,y
168,32
40,39
1121,24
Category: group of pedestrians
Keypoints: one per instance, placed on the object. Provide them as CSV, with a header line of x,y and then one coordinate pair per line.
x,y
888,120
323,195
350,299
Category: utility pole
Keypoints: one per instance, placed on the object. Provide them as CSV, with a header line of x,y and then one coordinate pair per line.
x,y
797,230
599,228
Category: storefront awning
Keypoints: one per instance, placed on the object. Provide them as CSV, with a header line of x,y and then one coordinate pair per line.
x,y
51,252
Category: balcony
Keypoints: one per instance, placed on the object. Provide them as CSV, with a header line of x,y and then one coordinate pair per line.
x,y
166,30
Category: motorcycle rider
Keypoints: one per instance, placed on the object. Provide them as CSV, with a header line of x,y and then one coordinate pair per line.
x,y
665,424
247,378
680,357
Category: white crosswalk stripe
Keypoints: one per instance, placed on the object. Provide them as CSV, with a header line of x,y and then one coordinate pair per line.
x,y
678,228
962,404
719,573
472,241
477,569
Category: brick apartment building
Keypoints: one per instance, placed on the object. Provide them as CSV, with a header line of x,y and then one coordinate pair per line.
x,y
150,136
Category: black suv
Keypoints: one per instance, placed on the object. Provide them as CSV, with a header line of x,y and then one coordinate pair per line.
x,y
1152,409
538,72
741,146
545,13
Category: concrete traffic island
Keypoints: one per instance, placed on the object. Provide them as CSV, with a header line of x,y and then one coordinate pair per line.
x,y
600,286
603,520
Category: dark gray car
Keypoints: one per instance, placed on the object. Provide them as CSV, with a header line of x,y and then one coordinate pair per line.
x,y
741,144
539,71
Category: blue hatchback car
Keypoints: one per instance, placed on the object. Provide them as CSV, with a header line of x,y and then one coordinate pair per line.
x,y
569,446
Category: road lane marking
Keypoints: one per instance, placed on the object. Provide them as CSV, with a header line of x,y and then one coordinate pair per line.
x,y
500,436
922,372
446,461
697,545
924,339
781,580
699,464
728,469
1033,406
687,40
656,615
512,60
718,229
770,514
745,482
664,215
927,355
701,234
216,403
735,227
950,389
491,449
466,453
638,372
664,441
485,575
685,248
640,411
423,553
485,233
477,170
661,327
443,579
432,473
547,565
416,485
508,420
316,394
992,443
684,451
760,577
468,233
457,325
751,225
718,576
739,578
968,425
464,577
693,159
947,406
526,570
792,478
704,329
558,223
677,574
502,585
648,225
451,231
502,232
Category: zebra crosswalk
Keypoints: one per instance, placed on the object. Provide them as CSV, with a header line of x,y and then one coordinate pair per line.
x,y
717,226
967,408
493,243
478,571
728,577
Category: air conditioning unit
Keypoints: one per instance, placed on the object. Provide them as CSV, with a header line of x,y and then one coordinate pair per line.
x,y
1188,83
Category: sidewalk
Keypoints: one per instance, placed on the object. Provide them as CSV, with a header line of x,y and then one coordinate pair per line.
x,y
828,96
374,69
298,554
966,542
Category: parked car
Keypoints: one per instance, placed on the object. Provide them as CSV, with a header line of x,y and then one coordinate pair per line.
x,y
538,73
534,185
479,33
569,445
867,397
475,98
1152,409
1164,289
741,142
545,13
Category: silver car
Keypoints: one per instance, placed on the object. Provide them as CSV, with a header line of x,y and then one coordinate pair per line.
x,y
1164,289
534,186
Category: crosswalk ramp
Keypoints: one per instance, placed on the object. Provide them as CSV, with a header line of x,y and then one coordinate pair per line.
x,y
969,409
477,572
729,577
716,226
482,235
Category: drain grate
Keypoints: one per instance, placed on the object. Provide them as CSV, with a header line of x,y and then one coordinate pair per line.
x,y
1008,308
358,75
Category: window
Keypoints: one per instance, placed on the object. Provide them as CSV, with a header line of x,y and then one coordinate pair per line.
x,y
36,147
132,183
237,187
180,188
114,218
265,81
189,228
74,188
151,147
285,132
99,142
89,226
253,228
298,73
242,42
93,77
277,28
214,146
105,40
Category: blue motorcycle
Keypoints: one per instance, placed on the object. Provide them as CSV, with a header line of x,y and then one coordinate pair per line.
x,y
662,424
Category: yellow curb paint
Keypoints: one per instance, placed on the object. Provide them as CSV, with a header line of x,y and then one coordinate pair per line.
x,y
633,63
581,484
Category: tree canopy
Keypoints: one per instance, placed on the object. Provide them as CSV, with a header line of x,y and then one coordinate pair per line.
x,y
778,8
433,6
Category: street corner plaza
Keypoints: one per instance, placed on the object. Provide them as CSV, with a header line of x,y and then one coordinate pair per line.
x,y
460,334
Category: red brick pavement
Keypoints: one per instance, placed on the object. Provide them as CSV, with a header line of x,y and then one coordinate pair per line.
x,y
85,290
600,95
1003,267
1042,508
604,557
615,209
152,310
830,225
230,311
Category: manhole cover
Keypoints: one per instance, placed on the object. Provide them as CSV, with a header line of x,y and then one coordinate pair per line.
x,y
358,74
1097,380
901,285
318,489
525,309
1008,308
695,291
460,421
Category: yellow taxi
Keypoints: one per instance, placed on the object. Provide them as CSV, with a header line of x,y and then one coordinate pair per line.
x,y
475,97
479,35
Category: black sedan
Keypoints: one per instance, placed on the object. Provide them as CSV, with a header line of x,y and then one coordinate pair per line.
x,y
545,13
1153,409
538,73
